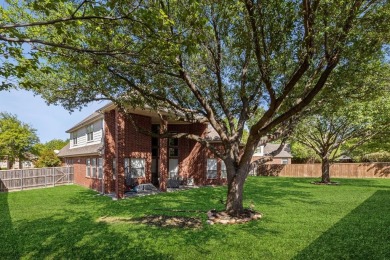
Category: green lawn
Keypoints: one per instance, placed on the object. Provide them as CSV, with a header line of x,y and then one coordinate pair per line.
x,y
301,221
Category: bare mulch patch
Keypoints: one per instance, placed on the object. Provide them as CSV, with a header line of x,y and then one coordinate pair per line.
x,y
325,183
222,217
157,220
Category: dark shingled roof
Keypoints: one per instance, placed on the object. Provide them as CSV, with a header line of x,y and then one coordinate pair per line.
x,y
285,153
88,119
83,150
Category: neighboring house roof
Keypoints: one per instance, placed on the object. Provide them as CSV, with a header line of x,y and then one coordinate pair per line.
x,y
211,134
344,158
93,117
94,149
284,153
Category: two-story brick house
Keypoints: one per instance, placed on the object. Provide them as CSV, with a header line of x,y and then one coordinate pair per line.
x,y
109,155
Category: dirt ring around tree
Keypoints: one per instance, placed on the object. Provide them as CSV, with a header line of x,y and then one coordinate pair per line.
x,y
222,217
325,183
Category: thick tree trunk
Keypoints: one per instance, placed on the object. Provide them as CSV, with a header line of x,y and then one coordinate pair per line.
x,y
237,172
234,200
325,178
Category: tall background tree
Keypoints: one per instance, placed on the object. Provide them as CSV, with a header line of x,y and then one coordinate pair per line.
x,y
355,115
17,139
222,60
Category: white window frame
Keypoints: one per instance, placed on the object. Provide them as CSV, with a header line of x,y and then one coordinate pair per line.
x,y
93,168
284,161
88,167
173,147
173,167
259,151
69,162
223,170
100,167
137,167
212,170
127,165
90,133
74,138
114,168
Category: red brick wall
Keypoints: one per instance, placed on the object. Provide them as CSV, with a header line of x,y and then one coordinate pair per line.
x,y
138,145
80,177
109,150
130,144
209,155
193,156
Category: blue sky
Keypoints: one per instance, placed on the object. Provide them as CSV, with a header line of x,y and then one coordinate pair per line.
x,y
51,122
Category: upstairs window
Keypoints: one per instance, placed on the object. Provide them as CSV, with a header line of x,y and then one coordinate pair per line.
x,y
173,147
74,138
259,151
90,133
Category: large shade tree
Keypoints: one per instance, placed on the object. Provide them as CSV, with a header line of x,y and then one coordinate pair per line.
x,y
17,139
338,132
214,61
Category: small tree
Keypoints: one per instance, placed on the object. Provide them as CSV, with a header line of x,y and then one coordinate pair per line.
x,y
17,139
46,152
48,158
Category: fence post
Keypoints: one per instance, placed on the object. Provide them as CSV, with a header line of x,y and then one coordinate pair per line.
x,y
21,180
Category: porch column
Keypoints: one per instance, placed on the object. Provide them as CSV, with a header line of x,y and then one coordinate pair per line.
x,y
163,155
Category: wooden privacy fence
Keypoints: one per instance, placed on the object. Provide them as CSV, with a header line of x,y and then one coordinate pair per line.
x,y
337,170
35,178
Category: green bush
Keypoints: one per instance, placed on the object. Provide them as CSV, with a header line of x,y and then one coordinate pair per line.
x,y
377,157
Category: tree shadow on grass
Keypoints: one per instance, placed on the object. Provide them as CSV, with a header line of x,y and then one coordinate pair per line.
x,y
276,190
77,235
362,234
8,245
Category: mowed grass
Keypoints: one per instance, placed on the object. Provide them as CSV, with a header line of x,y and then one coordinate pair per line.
x,y
300,221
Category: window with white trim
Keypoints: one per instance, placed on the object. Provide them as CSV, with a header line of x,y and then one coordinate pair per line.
x,y
90,133
223,170
173,168
284,161
114,169
100,167
74,138
173,147
93,168
69,162
259,151
211,168
127,166
88,166
137,168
